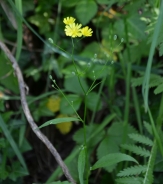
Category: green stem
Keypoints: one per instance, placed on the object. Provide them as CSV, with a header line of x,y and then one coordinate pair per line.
x,y
85,114
137,109
72,56
99,92
127,104
128,77
67,100
85,139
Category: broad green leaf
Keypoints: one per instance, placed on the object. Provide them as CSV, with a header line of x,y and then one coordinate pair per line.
x,y
65,107
93,101
112,159
94,132
86,10
136,27
79,138
106,146
39,20
58,120
92,50
72,84
81,164
116,131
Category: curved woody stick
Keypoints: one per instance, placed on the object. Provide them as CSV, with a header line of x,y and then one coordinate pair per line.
x,y
29,117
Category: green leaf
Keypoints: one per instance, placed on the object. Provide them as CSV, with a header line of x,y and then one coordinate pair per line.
x,y
71,3
129,180
155,80
136,170
58,120
86,10
81,164
39,20
91,137
65,107
72,84
116,131
136,149
136,27
106,146
92,50
93,101
148,127
7,77
102,125
103,1
137,81
112,159
141,139
3,173
159,89
12,143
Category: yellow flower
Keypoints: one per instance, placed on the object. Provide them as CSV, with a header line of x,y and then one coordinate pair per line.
x,y
69,20
64,128
86,31
73,30
53,103
1,95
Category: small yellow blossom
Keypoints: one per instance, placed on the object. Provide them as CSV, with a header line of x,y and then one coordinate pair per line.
x,y
64,128
53,103
73,30
86,31
69,20
1,95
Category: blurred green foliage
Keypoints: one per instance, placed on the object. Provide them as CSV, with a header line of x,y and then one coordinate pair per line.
x,y
114,60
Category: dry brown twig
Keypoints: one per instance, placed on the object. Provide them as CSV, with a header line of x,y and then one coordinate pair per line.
x,y
29,117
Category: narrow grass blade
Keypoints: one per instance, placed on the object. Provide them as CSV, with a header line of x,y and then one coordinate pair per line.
x,y
18,4
145,87
12,142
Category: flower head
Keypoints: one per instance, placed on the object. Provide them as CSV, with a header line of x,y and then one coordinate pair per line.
x,y
73,30
53,103
86,31
64,128
69,20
